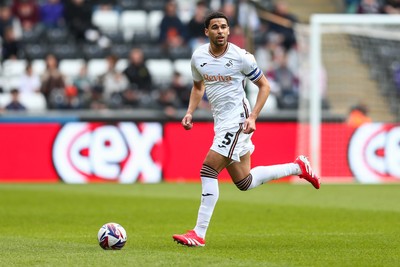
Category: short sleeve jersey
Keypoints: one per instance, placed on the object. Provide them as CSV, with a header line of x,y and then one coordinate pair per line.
x,y
224,79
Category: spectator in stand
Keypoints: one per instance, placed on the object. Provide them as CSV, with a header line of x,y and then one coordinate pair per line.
x,y
396,76
96,101
392,7
195,26
78,15
140,80
168,101
351,5
358,115
15,104
237,36
247,16
70,98
27,11
286,81
83,84
7,20
106,5
181,88
52,14
283,24
30,82
370,7
172,29
229,9
53,83
10,45
113,83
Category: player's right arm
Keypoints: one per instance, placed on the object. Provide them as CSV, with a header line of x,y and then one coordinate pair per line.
x,y
195,97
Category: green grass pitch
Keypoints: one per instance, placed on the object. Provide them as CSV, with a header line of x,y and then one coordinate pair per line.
x,y
272,225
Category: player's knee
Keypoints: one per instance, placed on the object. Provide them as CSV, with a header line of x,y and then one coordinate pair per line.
x,y
244,184
209,172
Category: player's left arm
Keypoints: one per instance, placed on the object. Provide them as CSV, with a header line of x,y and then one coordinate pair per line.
x,y
255,75
262,96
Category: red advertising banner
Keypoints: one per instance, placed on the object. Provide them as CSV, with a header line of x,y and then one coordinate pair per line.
x,y
275,143
25,152
374,153
148,152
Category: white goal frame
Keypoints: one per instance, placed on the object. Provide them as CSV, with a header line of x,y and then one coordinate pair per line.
x,y
315,115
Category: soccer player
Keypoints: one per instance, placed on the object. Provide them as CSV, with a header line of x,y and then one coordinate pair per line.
x,y
219,68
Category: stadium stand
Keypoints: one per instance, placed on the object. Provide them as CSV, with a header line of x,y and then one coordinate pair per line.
x,y
135,23
161,70
33,102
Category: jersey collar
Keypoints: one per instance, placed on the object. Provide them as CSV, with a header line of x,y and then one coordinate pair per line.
x,y
223,53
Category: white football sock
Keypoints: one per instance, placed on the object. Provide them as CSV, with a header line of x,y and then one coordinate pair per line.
x,y
209,197
263,174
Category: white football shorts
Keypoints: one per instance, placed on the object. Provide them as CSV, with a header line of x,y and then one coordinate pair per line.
x,y
231,142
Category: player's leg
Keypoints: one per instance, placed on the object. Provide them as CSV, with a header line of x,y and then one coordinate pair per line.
x,y
246,179
213,164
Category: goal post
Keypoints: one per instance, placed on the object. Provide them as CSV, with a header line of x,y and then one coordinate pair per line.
x,y
320,24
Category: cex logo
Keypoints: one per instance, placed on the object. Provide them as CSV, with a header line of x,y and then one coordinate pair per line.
x,y
125,152
374,153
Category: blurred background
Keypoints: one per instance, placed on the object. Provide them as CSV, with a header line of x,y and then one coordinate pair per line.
x,y
82,82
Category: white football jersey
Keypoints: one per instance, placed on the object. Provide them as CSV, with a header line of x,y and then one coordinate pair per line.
x,y
224,79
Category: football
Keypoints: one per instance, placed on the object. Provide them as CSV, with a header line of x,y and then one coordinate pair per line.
x,y
112,236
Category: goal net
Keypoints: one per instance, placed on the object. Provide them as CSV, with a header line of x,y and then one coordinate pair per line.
x,y
346,61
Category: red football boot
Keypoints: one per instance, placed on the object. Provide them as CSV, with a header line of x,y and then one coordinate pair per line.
x,y
190,239
307,172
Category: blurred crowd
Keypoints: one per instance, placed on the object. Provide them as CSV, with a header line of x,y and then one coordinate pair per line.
x,y
372,6
269,35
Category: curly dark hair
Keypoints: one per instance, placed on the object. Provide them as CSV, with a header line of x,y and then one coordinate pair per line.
x,y
214,15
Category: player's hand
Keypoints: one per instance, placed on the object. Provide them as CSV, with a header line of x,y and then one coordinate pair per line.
x,y
187,122
249,126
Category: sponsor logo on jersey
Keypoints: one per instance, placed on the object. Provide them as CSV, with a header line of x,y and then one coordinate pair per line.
x,y
217,78
202,65
229,64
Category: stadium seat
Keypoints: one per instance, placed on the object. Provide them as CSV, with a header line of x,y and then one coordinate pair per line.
x,y
66,50
121,50
131,22
71,67
183,67
36,51
106,20
129,4
13,67
32,102
96,67
161,70
57,35
11,82
185,11
153,23
153,52
180,52
91,51
32,37
153,5
38,66
122,64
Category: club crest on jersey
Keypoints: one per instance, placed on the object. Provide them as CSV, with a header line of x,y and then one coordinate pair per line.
x,y
217,78
229,64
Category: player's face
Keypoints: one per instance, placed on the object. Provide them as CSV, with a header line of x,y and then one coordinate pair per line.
x,y
218,31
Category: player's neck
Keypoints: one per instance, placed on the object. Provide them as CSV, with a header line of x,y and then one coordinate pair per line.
x,y
217,50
